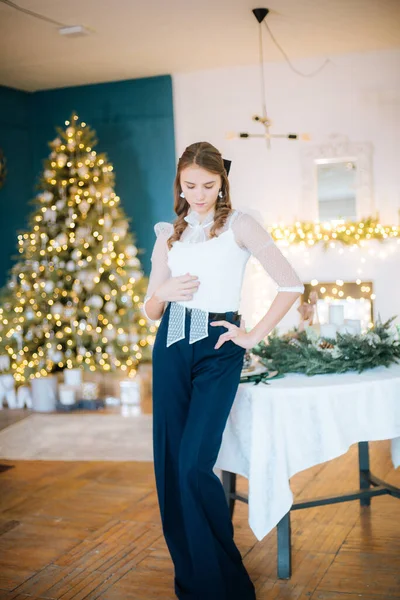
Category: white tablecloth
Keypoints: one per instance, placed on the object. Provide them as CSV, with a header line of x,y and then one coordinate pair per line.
x,y
277,430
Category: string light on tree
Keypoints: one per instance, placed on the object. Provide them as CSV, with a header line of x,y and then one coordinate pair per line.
x,y
74,298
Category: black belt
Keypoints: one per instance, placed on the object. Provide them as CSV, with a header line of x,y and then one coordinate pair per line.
x,y
214,316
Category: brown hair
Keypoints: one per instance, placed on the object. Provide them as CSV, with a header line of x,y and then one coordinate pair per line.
x,y
204,155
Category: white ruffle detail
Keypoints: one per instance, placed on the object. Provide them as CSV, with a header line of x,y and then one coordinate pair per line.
x,y
196,232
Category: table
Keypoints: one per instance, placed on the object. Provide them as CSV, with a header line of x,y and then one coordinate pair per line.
x,y
277,430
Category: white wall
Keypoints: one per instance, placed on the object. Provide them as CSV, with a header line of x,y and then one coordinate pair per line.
x,y
355,95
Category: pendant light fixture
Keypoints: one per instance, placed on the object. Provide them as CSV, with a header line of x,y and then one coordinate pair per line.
x,y
263,119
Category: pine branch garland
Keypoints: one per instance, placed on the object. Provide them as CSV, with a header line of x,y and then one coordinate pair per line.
x,y
304,352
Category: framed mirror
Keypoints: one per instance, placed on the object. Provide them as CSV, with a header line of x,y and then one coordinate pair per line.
x,y
337,181
336,189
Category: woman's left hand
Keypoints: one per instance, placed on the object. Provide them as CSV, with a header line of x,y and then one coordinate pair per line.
x,y
238,335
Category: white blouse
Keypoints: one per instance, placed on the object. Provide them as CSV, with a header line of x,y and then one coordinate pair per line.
x,y
219,264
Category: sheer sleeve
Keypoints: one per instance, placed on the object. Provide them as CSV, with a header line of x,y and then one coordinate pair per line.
x,y
160,270
252,236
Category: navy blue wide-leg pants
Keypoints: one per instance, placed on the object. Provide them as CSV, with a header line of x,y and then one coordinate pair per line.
x,y
194,387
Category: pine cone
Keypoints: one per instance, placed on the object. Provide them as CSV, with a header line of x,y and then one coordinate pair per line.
x,y
325,345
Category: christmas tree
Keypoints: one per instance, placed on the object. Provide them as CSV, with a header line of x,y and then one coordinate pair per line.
x,y
74,295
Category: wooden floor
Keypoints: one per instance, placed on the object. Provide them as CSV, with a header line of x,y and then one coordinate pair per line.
x,y
75,531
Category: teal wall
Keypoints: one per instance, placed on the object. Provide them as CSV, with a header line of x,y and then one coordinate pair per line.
x,y
15,142
134,124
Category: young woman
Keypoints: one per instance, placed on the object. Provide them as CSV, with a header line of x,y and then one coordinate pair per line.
x,y
195,283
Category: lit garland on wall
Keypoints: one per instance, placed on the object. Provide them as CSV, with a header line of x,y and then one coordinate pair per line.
x,y
309,233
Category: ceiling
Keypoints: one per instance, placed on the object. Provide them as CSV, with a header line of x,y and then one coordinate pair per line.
x,y
137,38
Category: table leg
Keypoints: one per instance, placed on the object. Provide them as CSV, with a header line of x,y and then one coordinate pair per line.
x,y
364,472
229,484
370,485
284,547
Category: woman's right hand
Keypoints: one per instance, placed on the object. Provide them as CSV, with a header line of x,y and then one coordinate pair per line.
x,y
177,289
